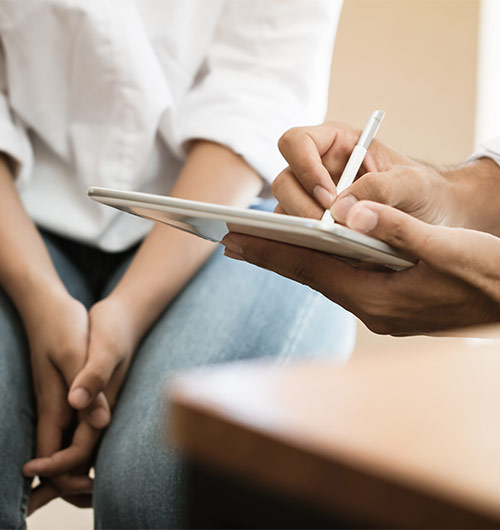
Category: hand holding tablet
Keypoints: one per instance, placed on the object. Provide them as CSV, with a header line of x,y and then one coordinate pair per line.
x,y
357,156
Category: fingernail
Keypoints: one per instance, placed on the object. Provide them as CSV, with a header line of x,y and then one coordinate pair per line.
x,y
230,254
98,417
341,207
363,220
79,398
323,196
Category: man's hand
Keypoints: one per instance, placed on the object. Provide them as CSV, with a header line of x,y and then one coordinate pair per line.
x,y
455,282
317,156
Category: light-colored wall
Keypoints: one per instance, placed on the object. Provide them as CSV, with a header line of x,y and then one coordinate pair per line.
x,y
415,59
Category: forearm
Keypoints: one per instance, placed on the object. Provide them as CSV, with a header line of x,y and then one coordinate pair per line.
x,y
476,189
168,257
26,270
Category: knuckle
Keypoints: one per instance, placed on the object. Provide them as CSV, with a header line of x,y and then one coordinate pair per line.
x,y
411,172
66,353
256,254
277,185
282,182
289,138
379,327
397,236
376,306
302,273
374,309
347,138
385,311
97,378
376,321
374,187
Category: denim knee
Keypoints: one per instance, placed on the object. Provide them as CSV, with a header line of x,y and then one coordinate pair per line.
x,y
138,488
14,501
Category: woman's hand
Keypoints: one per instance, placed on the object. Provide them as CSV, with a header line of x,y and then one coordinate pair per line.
x,y
109,347
164,263
57,328
456,281
113,339
317,156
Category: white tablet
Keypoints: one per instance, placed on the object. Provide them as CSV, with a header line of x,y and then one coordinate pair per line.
x,y
214,221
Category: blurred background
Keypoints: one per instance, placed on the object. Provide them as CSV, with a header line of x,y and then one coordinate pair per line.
x,y
417,60
432,66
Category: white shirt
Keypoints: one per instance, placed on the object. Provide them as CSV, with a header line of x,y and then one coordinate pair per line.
x,y
107,92
489,149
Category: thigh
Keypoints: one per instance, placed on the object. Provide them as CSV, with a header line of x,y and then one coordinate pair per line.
x,y
17,415
18,411
230,310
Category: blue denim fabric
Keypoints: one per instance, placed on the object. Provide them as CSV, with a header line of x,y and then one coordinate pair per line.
x,y
18,408
17,416
229,311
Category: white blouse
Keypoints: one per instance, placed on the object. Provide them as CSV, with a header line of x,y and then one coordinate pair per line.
x,y
107,92
489,149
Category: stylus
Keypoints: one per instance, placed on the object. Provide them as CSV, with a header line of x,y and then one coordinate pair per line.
x,y
357,156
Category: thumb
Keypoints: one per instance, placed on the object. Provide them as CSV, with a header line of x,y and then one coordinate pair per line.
x,y
96,407
398,229
87,391
385,187
469,255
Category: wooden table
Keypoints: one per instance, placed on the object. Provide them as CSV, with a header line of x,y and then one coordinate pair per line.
x,y
392,440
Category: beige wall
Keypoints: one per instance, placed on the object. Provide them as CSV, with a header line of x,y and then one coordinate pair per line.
x,y
415,59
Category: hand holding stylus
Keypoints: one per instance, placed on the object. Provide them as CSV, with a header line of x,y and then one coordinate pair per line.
x,y
455,281
357,156
318,157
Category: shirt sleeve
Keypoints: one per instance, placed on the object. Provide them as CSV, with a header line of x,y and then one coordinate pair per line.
x,y
489,149
14,142
267,69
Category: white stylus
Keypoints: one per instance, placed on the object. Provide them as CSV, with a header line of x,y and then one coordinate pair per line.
x,y
357,156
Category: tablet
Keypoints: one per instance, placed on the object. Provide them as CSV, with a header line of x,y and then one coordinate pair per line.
x,y
214,221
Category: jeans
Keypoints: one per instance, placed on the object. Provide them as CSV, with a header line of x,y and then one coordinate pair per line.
x,y
229,311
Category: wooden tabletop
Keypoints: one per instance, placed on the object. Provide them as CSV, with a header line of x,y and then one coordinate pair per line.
x,y
403,438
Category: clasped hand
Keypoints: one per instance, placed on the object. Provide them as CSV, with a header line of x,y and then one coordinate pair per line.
x,y
79,360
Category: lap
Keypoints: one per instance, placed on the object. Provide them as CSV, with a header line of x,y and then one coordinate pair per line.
x,y
229,311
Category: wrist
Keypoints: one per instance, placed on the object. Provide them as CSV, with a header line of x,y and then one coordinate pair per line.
x,y
128,314
474,188
34,295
